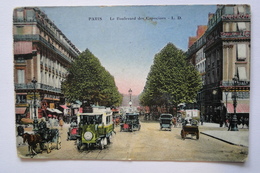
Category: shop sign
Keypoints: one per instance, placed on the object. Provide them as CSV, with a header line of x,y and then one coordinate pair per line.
x,y
30,96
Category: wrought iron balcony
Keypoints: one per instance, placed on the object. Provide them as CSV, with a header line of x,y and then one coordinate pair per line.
x,y
41,39
231,83
16,19
39,22
38,86
238,34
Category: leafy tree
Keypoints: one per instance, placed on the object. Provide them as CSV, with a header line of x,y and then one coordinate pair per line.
x,y
89,82
171,79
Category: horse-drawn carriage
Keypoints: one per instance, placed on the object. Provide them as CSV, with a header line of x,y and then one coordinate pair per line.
x,y
42,138
190,127
166,121
130,122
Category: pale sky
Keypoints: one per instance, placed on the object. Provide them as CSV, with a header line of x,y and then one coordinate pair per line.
x,y
126,48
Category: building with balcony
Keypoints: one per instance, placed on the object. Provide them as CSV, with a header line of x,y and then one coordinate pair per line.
x,y
43,52
227,54
196,56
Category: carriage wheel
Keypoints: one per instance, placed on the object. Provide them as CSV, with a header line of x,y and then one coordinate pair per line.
x,y
68,136
79,144
182,134
131,128
197,136
101,144
58,144
48,147
108,140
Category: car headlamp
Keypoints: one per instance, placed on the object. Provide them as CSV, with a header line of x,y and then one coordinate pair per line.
x,y
88,136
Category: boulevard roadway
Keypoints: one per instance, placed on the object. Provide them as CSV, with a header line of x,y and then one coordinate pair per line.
x,y
150,143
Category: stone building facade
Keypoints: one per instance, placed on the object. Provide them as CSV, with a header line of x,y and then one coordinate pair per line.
x,y
41,52
227,59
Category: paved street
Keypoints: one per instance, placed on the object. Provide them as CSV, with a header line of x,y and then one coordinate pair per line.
x,y
150,143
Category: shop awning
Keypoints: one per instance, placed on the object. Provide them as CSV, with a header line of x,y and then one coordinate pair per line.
x,y
57,111
20,110
51,110
241,108
80,110
64,107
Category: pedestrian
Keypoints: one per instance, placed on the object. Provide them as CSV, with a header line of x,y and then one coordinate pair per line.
x,y
55,121
73,123
229,125
226,122
202,119
242,121
50,121
61,123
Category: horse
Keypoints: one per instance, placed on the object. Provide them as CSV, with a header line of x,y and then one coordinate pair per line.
x,y
32,140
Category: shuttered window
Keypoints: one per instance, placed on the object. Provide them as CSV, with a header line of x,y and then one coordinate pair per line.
x,y
30,15
229,10
241,52
20,75
241,10
241,26
242,73
20,15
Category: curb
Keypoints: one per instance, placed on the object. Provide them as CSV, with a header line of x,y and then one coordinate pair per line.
x,y
232,143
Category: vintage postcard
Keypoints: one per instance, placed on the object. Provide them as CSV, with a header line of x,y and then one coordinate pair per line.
x,y
142,83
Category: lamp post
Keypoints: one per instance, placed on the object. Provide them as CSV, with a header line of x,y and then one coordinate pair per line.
x,y
233,122
226,93
130,94
214,92
35,121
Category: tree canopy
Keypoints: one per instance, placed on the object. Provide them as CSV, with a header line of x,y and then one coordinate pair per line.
x,y
171,80
88,81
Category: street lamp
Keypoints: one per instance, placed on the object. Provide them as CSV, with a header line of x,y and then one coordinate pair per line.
x,y
226,116
130,94
214,92
233,122
35,121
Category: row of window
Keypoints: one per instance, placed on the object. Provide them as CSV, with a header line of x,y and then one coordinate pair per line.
x,y
239,9
50,80
201,67
29,15
236,26
45,61
56,44
228,10
46,78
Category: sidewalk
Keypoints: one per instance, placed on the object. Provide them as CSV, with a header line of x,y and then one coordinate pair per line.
x,y
240,137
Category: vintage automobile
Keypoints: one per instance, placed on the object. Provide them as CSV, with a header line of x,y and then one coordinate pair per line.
x,y
166,121
130,122
72,131
190,126
95,129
